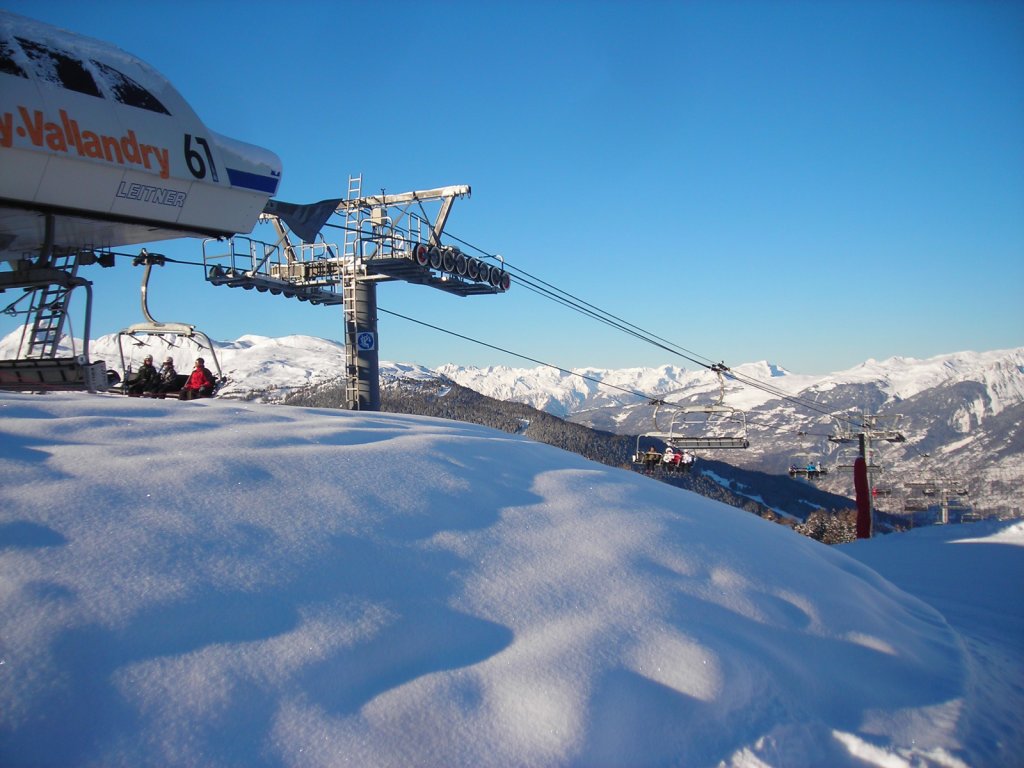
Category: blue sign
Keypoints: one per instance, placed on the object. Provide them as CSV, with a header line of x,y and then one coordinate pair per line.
x,y
366,341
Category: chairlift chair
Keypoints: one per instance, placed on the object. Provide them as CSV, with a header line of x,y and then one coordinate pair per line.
x,y
659,457
706,427
806,465
715,427
693,428
648,458
167,332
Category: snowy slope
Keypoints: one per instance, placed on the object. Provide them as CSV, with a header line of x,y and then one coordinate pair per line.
x,y
226,583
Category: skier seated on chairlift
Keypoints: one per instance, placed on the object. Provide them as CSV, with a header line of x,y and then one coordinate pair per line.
x,y
669,458
651,458
165,380
686,460
200,383
144,380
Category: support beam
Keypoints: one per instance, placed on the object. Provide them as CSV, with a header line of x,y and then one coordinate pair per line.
x,y
361,353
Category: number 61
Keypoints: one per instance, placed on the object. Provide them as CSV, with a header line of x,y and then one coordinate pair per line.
x,y
194,160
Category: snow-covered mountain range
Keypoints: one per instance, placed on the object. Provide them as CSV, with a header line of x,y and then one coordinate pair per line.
x,y
961,413
568,394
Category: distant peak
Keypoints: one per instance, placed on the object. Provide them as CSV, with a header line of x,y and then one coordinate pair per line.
x,y
764,369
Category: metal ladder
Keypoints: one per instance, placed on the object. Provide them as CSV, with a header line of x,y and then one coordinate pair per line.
x,y
348,288
49,305
352,219
351,329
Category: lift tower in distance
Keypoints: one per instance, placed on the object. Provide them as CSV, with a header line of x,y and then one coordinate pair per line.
x,y
869,430
385,238
945,493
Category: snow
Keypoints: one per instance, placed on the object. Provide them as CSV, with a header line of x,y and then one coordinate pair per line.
x,y
221,583
280,364
564,393
255,363
272,366
904,377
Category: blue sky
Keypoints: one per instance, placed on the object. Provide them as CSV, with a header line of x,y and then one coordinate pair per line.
x,y
809,183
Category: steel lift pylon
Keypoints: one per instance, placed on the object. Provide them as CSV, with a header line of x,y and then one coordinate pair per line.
x,y
386,238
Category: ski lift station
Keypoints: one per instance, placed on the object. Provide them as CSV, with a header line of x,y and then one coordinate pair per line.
x,y
100,152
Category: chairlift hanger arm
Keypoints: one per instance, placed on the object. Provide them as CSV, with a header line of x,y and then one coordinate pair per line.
x,y
149,259
720,369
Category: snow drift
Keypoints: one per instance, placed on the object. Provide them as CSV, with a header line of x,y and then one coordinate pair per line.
x,y
219,583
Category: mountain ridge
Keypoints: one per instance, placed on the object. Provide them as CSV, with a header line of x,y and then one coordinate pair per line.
x,y
961,412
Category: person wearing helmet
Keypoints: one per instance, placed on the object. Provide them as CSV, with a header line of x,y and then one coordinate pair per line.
x,y
144,380
166,379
